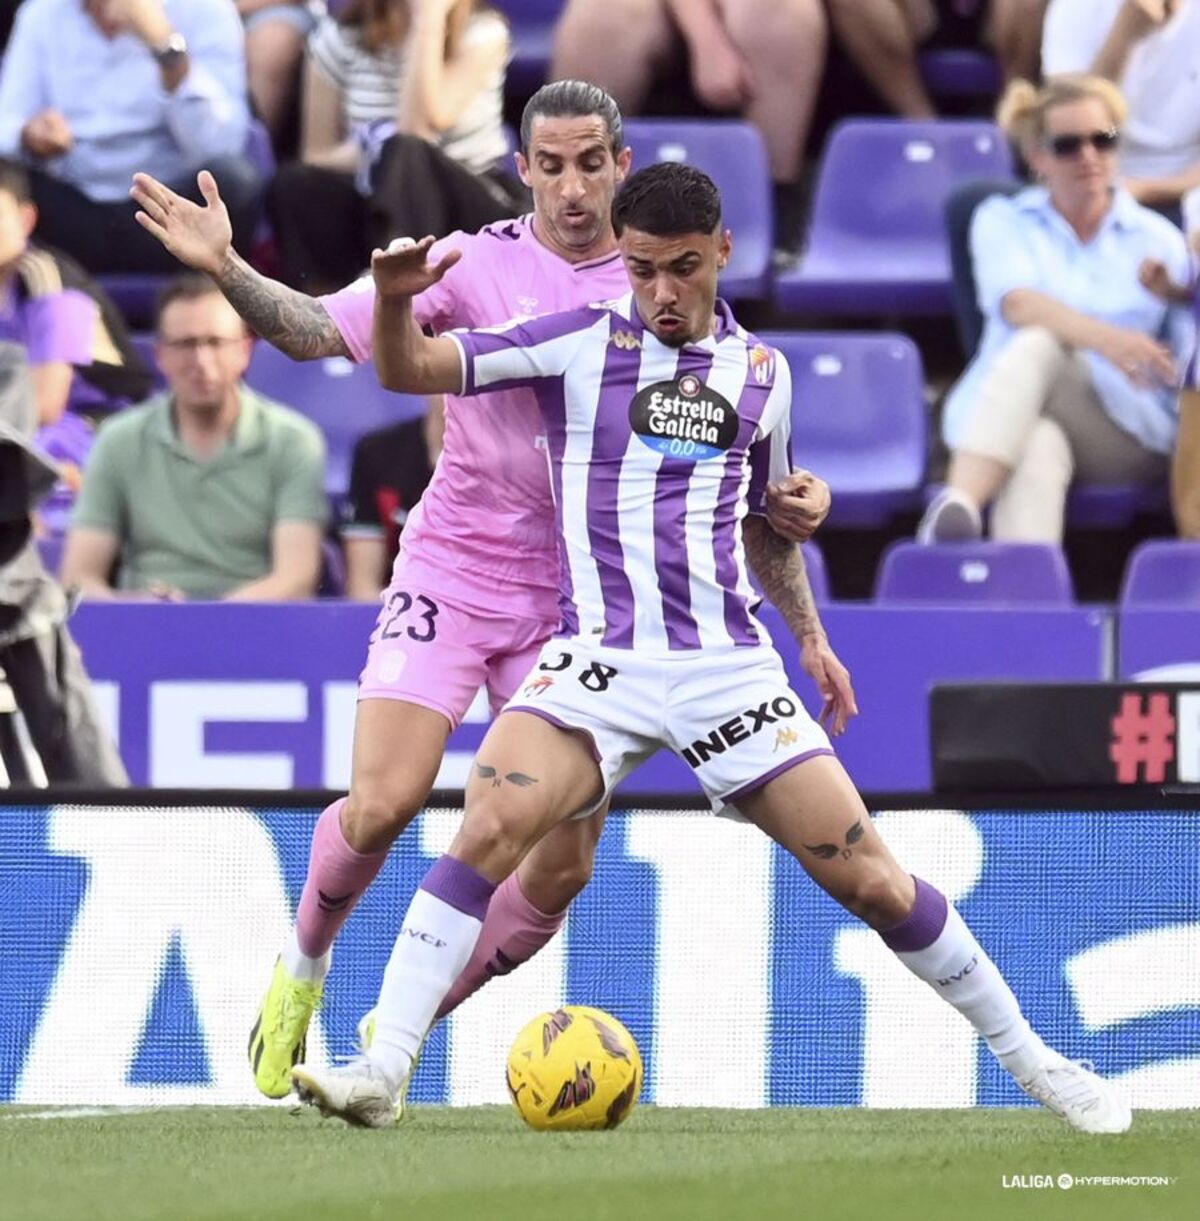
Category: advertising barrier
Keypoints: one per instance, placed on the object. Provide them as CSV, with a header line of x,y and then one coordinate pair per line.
x,y
136,941
227,696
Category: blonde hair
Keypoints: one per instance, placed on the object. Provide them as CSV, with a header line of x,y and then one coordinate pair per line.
x,y
1021,112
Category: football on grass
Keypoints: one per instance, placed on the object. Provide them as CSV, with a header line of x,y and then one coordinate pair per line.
x,y
574,1069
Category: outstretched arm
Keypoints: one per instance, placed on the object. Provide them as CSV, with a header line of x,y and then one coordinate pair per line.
x,y
405,358
202,237
779,566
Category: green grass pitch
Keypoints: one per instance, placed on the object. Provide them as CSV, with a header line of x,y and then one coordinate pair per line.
x,y
445,1165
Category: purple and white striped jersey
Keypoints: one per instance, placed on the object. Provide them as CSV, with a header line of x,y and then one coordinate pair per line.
x,y
656,456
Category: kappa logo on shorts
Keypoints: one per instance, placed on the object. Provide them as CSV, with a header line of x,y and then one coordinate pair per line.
x,y
537,686
785,737
739,728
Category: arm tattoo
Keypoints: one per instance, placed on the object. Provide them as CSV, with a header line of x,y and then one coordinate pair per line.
x,y
489,773
779,566
297,325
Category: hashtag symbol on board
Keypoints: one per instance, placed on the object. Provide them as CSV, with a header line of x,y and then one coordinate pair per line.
x,y
1143,738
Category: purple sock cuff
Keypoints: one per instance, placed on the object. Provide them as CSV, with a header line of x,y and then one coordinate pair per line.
x,y
923,925
460,886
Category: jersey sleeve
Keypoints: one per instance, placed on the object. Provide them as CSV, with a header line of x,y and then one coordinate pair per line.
x,y
500,358
771,455
439,308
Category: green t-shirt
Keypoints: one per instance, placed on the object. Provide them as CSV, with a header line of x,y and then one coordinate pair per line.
x,y
203,526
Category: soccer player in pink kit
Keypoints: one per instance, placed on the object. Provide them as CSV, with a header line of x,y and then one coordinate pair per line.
x,y
665,420
474,589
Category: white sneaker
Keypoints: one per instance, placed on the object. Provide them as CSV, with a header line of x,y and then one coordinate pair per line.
x,y
1074,1093
952,517
356,1091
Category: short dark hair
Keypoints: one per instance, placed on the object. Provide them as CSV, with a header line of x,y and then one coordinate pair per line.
x,y
572,100
14,179
188,286
667,199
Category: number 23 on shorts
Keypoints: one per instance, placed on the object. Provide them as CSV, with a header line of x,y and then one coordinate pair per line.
x,y
420,626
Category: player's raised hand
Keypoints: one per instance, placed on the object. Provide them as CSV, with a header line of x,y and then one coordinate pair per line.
x,y
201,237
833,681
797,505
404,270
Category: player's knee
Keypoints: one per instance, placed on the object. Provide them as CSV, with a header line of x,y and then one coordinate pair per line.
x,y
1039,343
880,895
494,837
375,814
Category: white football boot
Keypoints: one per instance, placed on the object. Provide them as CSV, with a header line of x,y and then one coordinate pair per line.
x,y
1073,1092
356,1091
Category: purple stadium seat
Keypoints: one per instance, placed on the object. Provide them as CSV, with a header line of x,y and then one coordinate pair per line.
x,y
532,25
877,240
732,154
1165,572
1106,506
859,419
343,399
960,72
982,573
143,344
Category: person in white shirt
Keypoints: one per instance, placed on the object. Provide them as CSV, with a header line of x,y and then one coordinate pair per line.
x,y
1151,49
1078,372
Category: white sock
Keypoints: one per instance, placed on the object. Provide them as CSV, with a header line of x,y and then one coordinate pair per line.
x,y
958,969
433,947
300,966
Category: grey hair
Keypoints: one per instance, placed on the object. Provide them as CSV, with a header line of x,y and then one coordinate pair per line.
x,y
572,99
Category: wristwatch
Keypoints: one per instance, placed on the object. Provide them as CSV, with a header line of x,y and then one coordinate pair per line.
x,y
171,51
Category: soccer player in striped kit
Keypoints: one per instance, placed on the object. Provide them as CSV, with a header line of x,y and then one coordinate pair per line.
x,y
665,421
473,592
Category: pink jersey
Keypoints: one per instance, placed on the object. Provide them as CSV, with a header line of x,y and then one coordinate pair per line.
x,y
484,532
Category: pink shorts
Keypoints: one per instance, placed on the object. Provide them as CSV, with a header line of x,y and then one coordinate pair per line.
x,y
438,654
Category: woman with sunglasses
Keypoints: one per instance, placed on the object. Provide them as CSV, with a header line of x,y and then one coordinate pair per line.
x,y
1077,375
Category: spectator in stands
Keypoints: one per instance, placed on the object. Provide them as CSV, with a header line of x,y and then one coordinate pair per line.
x,y
401,134
209,490
883,38
276,31
75,342
1078,372
1151,48
761,59
92,91
390,471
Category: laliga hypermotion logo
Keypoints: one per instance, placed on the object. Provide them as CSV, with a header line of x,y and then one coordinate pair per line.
x,y
538,685
762,363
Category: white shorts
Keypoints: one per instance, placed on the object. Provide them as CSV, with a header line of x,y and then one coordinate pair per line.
x,y
731,716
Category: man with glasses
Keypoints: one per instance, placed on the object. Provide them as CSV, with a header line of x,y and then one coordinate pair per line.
x,y
208,491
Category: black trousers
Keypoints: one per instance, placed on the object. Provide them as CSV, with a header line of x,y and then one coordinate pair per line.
x,y
105,238
326,230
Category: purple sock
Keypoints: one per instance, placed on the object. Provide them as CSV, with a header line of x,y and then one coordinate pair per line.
x,y
923,925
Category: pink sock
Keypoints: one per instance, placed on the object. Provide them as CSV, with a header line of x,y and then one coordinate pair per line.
x,y
337,878
513,932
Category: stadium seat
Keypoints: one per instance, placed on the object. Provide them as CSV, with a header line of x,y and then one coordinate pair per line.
x,y
143,344
859,419
877,240
531,23
1115,505
981,573
343,399
733,155
1165,572
960,72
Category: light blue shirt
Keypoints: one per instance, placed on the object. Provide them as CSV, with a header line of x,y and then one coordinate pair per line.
x,y
1024,242
110,92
